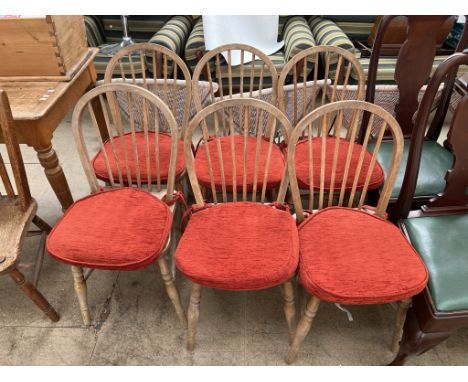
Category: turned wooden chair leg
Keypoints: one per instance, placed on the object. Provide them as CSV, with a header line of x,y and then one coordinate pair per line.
x,y
193,313
303,328
301,298
289,307
403,307
34,295
82,293
172,291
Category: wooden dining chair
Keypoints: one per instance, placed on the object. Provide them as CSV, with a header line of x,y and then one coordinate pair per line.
x,y
413,68
302,86
17,211
239,242
305,94
438,230
349,253
125,226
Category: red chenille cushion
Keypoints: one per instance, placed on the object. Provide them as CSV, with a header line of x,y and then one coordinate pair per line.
x,y
239,246
275,168
302,165
121,229
348,256
165,140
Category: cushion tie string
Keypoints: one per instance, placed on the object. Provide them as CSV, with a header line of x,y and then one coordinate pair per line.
x,y
280,206
177,195
348,313
190,211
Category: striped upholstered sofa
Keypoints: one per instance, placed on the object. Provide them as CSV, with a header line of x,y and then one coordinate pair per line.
x,y
330,30
169,31
294,30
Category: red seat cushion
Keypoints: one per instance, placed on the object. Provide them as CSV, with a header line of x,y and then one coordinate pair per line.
x,y
275,168
165,140
351,257
239,246
122,229
302,165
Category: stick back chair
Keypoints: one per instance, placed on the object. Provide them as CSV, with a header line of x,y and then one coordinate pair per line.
x,y
243,244
349,253
17,211
127,225
414,66
438,231
304,94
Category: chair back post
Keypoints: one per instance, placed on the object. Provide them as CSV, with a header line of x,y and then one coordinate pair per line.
x,y
153,109
413,66
333,86
7,126
439,116
317,123
252,110
166,67
457,141
211,66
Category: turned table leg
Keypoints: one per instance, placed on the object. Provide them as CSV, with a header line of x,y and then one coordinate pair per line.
x,y
49,160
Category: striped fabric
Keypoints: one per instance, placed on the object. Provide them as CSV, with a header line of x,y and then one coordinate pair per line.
x,y
101,61
195,43
356,27
140,27
94,31
174,34
386,68
297,36
326,32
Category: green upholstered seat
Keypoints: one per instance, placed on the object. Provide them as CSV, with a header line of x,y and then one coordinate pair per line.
x,y
435,162
442,242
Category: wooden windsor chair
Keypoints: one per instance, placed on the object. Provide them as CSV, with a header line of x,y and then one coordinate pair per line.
x,y
349,253
17,211
305,94
239,242
438,230
127,225
164,73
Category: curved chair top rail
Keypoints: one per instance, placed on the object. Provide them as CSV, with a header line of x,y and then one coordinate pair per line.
x,y
226,109
454,197
7,128
102,101
318,122
413,67
215,72
134,64
339,64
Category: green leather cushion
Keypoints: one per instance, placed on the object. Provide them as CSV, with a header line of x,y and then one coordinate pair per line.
x,y
435,162
442,242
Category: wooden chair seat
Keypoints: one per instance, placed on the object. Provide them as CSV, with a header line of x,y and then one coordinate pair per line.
x,y
117,229
14,223
442,242
435,162
349,256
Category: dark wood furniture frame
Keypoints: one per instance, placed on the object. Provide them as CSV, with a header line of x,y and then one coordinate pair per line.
x,y
425,327
413,69
17,211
